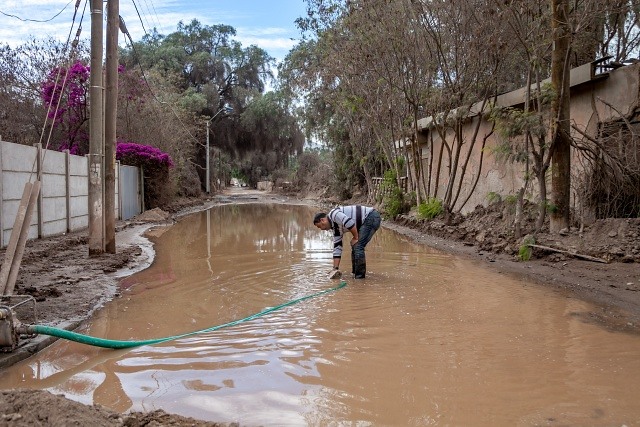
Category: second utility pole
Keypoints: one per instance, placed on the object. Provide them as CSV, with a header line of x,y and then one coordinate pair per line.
x,y
96,234
110,116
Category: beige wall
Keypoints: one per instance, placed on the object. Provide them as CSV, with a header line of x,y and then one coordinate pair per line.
x,y
589,98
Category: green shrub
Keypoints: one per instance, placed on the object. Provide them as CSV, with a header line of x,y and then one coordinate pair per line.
x,y
525,251
511,199
493,197
392,197
551,208
430,209
393,204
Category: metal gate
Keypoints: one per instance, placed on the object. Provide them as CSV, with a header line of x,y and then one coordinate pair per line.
x,y
130,192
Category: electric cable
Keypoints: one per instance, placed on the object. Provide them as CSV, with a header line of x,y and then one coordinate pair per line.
x,y
119,344
37,20
140,17
123,29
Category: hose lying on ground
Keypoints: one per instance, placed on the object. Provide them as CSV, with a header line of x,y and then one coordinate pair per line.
x,y
115,344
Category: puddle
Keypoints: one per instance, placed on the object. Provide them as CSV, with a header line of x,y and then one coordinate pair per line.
x,y
426,339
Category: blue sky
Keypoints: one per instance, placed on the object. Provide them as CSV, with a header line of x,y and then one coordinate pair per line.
x,y
267,24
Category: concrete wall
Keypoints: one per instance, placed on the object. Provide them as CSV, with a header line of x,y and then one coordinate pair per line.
x,y
63,202
594,99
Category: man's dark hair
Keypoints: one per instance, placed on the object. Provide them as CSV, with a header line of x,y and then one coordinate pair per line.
x,y
317,217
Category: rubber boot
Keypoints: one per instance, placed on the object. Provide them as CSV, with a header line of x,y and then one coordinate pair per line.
x,y
360,268
353,263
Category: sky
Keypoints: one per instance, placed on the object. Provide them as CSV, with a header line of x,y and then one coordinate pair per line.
x,y
264,23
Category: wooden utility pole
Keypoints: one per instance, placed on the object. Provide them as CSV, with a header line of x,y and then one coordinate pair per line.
x,y
110,115
96,136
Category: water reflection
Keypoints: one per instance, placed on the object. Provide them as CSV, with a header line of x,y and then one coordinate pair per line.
x,y
426,339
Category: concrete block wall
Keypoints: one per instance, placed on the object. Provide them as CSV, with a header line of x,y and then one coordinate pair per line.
x,y
16,165
63,204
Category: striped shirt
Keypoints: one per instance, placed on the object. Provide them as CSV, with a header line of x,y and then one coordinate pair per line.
x,y
342,218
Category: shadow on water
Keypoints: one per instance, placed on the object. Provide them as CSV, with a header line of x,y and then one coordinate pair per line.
x,y
426,339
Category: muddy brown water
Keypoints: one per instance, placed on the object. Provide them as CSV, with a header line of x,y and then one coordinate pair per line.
x,y
426,339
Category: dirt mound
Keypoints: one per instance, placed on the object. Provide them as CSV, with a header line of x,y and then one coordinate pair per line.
x,y
491,229
153,215
37,408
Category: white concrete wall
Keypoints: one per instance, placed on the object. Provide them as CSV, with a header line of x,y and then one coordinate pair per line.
x,y
53,194
16,165
64,197
78,183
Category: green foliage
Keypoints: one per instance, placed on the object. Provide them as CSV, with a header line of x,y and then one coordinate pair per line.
x,y
513,125
512,122
550,207
352,103
238,174
547,94
393,198
389,180
494,197
430,209
394,204
202,68
192,101
525,251
511,199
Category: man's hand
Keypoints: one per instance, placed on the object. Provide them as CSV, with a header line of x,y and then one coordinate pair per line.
x,y
354,232
335,274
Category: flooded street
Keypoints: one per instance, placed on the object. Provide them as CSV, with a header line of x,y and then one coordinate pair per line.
x,y
426,339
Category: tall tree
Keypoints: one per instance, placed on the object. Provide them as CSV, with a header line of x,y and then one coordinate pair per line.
x,y
560,126
23,69
202,70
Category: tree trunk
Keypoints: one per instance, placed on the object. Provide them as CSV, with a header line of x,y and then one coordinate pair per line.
x,y
417,152
542,189
560,143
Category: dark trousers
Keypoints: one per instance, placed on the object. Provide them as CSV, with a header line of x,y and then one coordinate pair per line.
x,y
366,231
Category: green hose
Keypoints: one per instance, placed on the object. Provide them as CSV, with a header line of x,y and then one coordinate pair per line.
x,y
115,344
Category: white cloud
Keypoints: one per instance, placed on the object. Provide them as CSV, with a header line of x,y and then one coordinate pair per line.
x,y
164,15
268,43
268,31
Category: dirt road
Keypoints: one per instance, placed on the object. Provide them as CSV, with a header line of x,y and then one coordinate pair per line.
x,y
68,286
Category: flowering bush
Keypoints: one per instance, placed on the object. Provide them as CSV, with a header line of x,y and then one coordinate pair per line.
x,y
65,94
70,86
151,158
155,164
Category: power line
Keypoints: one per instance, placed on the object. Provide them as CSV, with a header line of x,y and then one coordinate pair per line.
x,y
37,20
72,52
139,17
154,14
124,30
